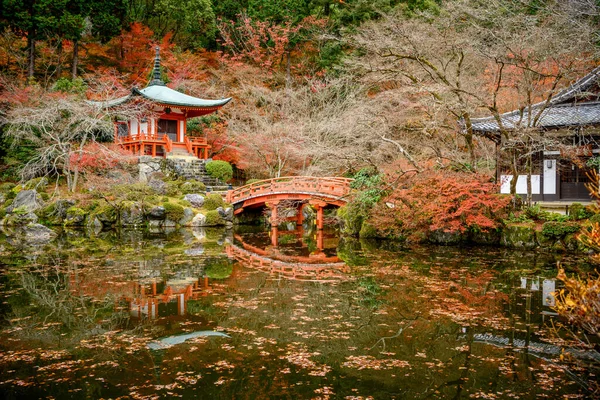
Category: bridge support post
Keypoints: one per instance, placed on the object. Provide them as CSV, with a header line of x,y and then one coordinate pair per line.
x,y
272,205
300,217
274,236
319,206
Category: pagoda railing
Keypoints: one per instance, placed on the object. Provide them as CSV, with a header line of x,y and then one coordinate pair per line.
x,y
188,144
137,144
199,147
168,143
332,187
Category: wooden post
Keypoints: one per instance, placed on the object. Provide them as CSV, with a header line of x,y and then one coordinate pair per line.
x,y
273,206
319,217
320,245
300,217
319,206
154,150
274,236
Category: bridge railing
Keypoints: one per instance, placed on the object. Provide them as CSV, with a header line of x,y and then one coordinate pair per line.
x,y
330,186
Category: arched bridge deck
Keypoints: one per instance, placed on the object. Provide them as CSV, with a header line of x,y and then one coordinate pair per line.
x,y
330,190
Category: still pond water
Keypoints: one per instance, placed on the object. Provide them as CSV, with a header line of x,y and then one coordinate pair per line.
x,y
253,314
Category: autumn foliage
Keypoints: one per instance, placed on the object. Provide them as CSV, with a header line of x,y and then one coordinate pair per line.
x,y
99,158
441,200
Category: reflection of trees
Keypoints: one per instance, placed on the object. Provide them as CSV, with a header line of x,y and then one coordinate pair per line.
x,y
52,311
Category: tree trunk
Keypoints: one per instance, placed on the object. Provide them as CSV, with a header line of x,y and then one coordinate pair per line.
x,y
59,55
31,55
515,175
75,59
288,76
76,168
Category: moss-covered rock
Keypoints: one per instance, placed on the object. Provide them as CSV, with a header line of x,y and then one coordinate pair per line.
x,y
444,238
173,212
193,187
188,216
106,214
74,217
213,201
213,218
489,237
519,237
172,188
351,221
132,213
5,187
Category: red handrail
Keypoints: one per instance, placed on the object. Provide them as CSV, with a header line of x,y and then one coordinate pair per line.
x,y
169,143
328,186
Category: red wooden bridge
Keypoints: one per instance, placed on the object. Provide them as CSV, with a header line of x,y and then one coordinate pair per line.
x,y
318,192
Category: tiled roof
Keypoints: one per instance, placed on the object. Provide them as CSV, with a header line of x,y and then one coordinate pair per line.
x,y
157,92
552,114
558,116
166,95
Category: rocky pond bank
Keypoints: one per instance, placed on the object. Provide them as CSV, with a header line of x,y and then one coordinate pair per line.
x,y
29,211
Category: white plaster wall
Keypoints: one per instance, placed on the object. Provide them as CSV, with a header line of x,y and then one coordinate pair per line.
x,y
133,127
144,127
521,184
181,126
550,177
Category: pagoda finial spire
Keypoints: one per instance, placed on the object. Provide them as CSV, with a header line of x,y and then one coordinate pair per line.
x,y
156,80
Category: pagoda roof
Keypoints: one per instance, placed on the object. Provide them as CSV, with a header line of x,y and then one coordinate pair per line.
x,y
158,92
577,105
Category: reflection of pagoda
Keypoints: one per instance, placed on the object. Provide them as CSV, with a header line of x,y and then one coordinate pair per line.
x,y
150,296
167,298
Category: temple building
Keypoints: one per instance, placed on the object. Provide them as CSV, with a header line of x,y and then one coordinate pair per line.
x,y
164,134
568,131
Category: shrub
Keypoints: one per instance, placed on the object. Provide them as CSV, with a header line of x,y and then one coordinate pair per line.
x,y
220,170
578,211
213,201
558,230
440,200
173,212
213,218
172,188
193,187
579,302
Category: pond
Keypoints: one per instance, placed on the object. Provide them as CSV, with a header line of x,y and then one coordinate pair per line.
x,y
286,314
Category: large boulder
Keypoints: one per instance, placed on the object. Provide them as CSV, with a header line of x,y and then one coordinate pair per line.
x,y
188,216
61,208
157,213
199,220
196,200
26,200
20,217
132,214
226,213
74,216
158,186
107,215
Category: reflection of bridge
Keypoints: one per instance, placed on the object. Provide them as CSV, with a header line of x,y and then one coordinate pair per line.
x,y
315,268
318,192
